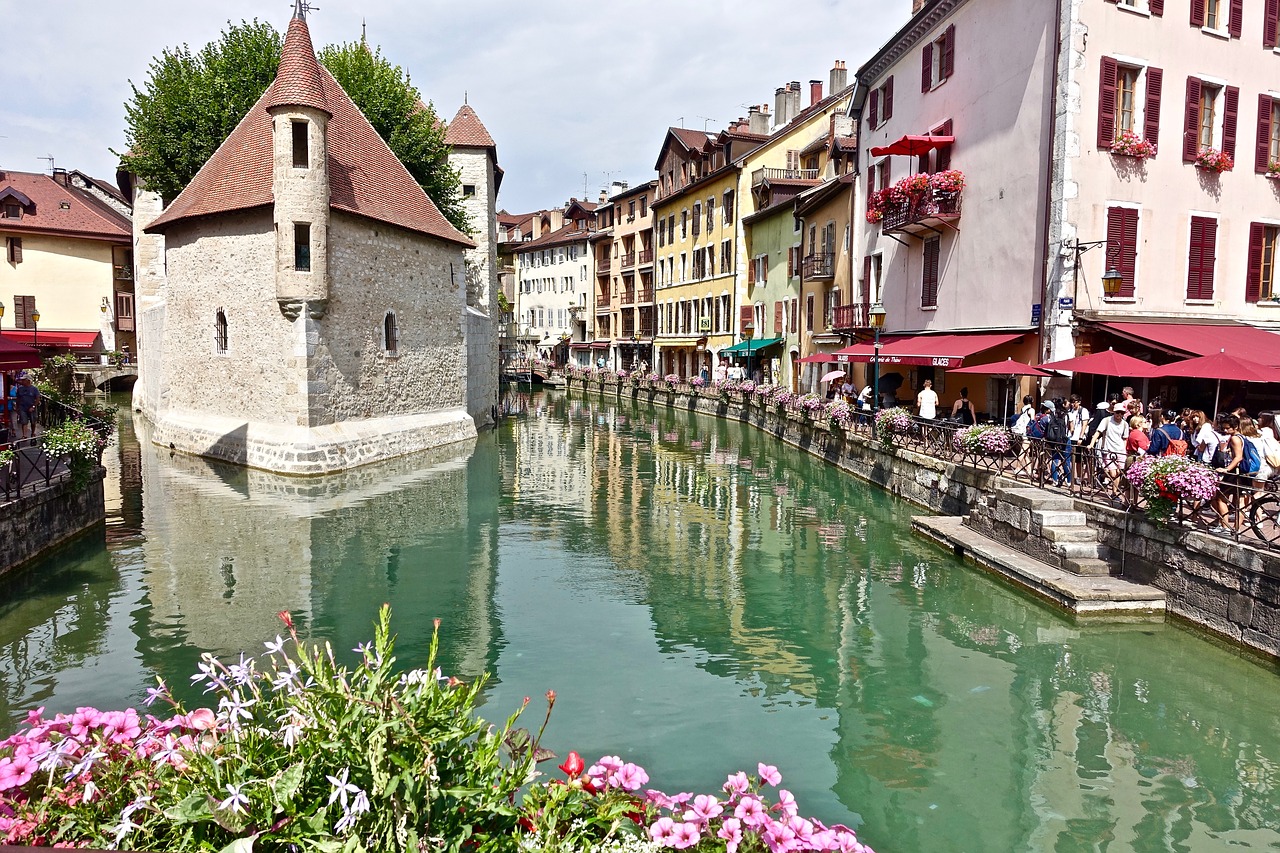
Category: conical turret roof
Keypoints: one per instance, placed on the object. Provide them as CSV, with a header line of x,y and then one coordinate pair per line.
x,y
467,131
299,81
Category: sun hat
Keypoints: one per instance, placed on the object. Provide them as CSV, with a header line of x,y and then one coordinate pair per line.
x,y
1048,404
1103,406
1120,407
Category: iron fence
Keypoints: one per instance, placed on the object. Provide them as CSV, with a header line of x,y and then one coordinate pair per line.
x,y
31,469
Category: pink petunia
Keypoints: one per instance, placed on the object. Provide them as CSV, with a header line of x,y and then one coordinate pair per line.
x,y
629,777
704,809
737,784
787,803
663,831
751,812
769,774
16,772
731,832
687,835
659,799
779,837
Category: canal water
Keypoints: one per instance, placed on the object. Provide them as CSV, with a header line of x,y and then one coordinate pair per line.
x,y
702,598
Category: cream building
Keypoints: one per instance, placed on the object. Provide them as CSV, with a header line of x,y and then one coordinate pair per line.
x,y
307,309
553,273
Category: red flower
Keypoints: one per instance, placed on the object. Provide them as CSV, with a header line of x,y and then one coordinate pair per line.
x,y
573,765
285,618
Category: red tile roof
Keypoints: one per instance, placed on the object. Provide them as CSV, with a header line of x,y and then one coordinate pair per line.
x,y
694,140
467,131
365,177
83,216
566,235
299,82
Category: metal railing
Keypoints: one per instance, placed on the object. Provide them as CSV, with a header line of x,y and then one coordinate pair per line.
x,y
32,469
629,259
927,205
646,257
855,315
818,265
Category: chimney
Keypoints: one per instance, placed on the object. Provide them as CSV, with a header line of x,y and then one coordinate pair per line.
x,y
779,107
839,76
604,196
793,100
815,91
841,124
759,118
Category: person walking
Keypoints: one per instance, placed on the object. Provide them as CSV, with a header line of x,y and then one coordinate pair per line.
x,y
1228,461
1202,436
927,402
1110,440
1077,418
1167,438
1056,440
962,409
26,399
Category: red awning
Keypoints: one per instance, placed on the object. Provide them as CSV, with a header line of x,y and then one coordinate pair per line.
x,y
580,345
928,350
15,356
54,338
1199,339
913,146
600,345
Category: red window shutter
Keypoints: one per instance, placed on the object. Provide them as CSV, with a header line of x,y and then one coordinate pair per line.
x,y
873,115
1122,231
795,316
866,278
1156,7
751,272
1197,13
888,98
1235,22
1107,103
1262,151
1151,111
1201,255
1271,24
1191,123
949,52
926,68
1230,116
1253,280
942,159
929,285
791,264
745,316
777,318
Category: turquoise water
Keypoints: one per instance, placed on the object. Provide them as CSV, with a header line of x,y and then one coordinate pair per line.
x,y
701,598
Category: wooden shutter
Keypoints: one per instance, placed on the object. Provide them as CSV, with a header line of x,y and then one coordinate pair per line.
x,y
745,316
751,272
1151,110
1197,13
942,157
1191,121
1200,257
1253,278
1262,151
1271,24
926,67
778,328
866,279
929,284
1107,103
791,264
1122,231
1235,21
873,114
888,98
1230,116
22,308
949,53
15,253
1156,7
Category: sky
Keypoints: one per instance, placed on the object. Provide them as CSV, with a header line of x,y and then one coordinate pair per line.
x,y
575,94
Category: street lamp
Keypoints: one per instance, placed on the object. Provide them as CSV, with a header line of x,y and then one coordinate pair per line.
x,y
35,328
875,315
1112,279
104,306
1,316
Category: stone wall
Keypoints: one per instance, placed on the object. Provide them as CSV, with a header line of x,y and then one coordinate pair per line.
x,y
34,525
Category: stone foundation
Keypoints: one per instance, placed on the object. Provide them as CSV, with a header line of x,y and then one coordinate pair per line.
x,y
311,450
34,525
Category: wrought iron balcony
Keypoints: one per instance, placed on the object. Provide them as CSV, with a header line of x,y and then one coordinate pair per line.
x,y
646,257
646,295
855,315
603,264
602,304
759,176
628,297
629,260
922,212
818,266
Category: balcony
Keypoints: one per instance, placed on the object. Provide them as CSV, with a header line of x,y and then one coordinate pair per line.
x,y
646,296
923,212
602,304
852,316
603,265
629,260
646,258
759,176
628,297
819,266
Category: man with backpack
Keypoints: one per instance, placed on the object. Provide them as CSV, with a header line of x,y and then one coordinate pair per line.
x,y
1237,461
1053,427
1110,439
1167,439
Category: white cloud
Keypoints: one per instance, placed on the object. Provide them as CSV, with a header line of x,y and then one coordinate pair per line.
x,y
564,87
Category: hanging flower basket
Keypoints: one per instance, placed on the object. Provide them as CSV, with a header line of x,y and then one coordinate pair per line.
x,y
1213,160
1164,480
1130,144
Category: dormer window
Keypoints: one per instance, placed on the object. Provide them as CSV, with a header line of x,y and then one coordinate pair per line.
x,y
301,152
12,211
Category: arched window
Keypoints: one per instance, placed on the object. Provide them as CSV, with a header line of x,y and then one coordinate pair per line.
x,y
390,333
220,332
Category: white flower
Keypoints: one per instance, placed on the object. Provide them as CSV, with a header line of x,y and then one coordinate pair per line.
x,y
341,788
236,801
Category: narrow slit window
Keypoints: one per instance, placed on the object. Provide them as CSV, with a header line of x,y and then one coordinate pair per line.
x,y
301,155
220,332
390,333
302,246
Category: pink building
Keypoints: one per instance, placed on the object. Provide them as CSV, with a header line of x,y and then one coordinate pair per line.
x,y
1051,106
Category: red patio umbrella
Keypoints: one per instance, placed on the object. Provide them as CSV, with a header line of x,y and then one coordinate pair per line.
x,y
913,146
1219,365
1008,367
1105,363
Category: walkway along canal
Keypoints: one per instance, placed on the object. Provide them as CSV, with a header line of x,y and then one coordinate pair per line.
x,y
701,597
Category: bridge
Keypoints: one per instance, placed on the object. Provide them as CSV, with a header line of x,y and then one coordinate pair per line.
x,y
106,377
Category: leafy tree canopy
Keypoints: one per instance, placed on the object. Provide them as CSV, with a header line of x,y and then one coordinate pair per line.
x,y
191,102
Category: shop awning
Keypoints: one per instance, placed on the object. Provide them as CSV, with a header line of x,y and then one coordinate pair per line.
x,y
60,338
750,347
942,351
668,343
15,356
582,345
1201,339
599,344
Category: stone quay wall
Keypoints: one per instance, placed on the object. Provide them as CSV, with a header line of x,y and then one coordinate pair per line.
x,y
1228,589
35,524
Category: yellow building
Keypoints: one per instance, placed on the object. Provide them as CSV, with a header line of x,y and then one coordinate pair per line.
x,y
67,280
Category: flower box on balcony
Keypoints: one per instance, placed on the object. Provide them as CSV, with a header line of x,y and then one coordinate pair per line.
x,y
1130,144
918,197
1213,160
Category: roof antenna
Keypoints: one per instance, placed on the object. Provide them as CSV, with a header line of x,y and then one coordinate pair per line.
x,y
48,157
301,8
363,32
464,96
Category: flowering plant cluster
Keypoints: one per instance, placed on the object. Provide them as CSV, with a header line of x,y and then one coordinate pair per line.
x,y
672,380
876,202
653,379
840,413
812,404
697,382
747,386
891,423
80,445
724,386
1212,160
947,181
784,399
914,184
1131,144
764,391
1273,169
1162,481
984,440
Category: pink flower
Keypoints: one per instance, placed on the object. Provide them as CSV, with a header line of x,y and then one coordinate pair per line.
x,y
687,835
36,716
659,799
803,830
600,772
629,777
787,803
737,784
16,772
663,831
779,837
201,719
751,812
83,721
731,832
704,809
769,774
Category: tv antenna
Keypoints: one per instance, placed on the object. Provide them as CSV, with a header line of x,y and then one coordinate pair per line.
x,y
705,121
48,157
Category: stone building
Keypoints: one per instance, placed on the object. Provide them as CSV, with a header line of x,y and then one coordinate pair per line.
x,y
304,306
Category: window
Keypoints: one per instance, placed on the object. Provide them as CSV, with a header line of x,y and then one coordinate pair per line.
x,y
1211,113
1268,143
1220,16
1264,243
726,256
881,104
220,332
124,312
937,62
1271,24
1202,252
728,206
13,249
390,334
929,279
1128,100
644,206
697,218
301,154
23,308
12,211
302,247
1122,231
808,313
468,190
711,214
631,211
684,224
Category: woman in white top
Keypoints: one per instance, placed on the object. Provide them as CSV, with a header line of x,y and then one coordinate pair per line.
x,y
927,400
1206,439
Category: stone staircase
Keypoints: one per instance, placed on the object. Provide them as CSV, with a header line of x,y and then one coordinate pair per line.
x,y
1045,526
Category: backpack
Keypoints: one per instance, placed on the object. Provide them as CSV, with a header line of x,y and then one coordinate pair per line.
x,y
1035,429
1055,430
1252,460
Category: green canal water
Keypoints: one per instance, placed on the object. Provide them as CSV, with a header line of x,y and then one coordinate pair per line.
x,y
701,598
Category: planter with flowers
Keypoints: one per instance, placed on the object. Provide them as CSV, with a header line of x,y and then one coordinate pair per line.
x,y
839,415
1163,481
984,440
811,405
1130,144
697,383
891,424
1273,170
762,394
1213,160
723,387
672,381
875,205
783,399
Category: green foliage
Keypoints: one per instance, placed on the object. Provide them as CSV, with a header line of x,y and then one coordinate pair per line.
x,y
191,103
56,377
76,441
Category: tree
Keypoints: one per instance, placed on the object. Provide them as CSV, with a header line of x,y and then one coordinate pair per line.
x,y
191,102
